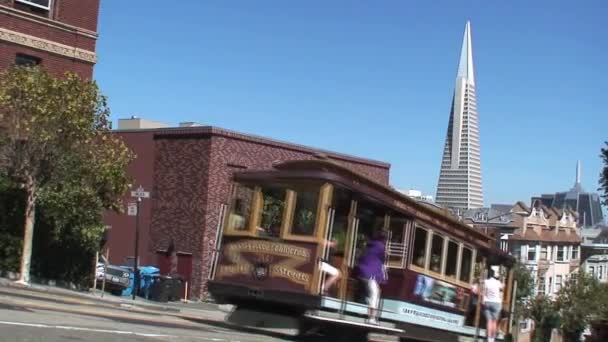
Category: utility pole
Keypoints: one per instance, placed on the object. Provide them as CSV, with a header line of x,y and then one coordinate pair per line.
x,y
139,194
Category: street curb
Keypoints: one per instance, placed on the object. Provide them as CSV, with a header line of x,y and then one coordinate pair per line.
x,y
117,302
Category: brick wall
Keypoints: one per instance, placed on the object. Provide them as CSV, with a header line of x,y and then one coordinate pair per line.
x,y
122,233
55,64
70,22
181,169
79,13
54,34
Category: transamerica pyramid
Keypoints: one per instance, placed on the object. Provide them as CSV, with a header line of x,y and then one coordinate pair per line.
x,y
460,185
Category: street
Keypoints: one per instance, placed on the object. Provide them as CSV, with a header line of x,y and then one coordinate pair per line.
x,y
30,316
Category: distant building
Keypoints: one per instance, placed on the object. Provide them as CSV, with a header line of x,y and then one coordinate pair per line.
x,y
460,185
586,204
135,122
417,194
547,241
497,221
595,252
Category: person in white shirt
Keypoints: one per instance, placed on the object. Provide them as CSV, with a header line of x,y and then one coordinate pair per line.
x,y
492,301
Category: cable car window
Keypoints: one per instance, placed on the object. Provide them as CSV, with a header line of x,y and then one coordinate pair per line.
x,y
436,253
273,199
451,263
371,218
465,265
240,209
420,247
305,214
396,245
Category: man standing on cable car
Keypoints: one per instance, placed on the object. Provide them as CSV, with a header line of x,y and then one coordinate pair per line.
x,y
372,272
492,299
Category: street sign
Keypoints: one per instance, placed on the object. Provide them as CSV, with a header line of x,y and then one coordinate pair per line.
x,y
140,193
132,209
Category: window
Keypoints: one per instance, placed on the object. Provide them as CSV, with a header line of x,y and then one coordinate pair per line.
x,y
22,59
543,252
273,205
541,286
420,247
305,214
465,264
550,290
592,271
43,4
600,272
436,253
561,253
517,251
558,282
575,251
240,208
396,245
531,253
451,262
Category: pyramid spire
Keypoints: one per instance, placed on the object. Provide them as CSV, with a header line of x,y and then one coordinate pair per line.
x,y
460,184
465,67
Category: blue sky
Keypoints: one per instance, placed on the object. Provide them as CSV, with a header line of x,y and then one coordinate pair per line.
x,y
374,79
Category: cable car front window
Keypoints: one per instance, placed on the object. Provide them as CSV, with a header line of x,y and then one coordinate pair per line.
x,y
240,208
273,207
305,213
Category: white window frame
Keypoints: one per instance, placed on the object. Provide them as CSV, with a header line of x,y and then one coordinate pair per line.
x,y
541,285
577,250
33,4
564,250
558,282
528,250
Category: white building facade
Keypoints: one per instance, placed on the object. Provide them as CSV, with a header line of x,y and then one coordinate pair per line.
x,y
548,243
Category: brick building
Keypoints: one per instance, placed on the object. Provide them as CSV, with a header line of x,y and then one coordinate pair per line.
x,y
188,172
60,35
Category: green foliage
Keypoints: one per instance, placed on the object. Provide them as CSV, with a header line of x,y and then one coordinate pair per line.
x,y
543,311
11,221
579,302
56,146
604,174
525,282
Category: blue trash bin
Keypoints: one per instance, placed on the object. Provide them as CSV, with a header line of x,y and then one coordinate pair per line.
x,y
146,276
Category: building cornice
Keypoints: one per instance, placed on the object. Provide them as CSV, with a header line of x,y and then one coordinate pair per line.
x,y
47,22
47,45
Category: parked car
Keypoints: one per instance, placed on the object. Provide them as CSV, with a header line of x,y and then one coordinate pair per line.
x,y
117,278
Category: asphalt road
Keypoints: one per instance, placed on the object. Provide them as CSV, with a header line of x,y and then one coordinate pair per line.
x,y
32,317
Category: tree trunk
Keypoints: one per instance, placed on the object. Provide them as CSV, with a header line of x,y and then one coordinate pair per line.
x,y
28,231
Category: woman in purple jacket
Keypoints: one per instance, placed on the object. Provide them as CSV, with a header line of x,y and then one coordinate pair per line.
x,y
371,271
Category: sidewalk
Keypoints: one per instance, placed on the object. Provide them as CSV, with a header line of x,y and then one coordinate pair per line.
x,y
96,298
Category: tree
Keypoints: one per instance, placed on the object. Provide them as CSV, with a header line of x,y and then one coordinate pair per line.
x,y
524,290
579,302
604,174
56,146
543,312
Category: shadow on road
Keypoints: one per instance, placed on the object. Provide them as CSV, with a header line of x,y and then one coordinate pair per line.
x,y
14,307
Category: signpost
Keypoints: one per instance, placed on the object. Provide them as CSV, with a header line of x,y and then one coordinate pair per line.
x,y
139,194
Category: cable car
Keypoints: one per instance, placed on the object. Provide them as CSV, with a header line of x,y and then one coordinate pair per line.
x,y
274,237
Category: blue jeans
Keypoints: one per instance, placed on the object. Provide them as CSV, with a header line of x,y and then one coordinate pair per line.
x,y
491,310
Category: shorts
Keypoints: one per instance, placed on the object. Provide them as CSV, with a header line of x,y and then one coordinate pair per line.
x,y
329,269
491,310
373,293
